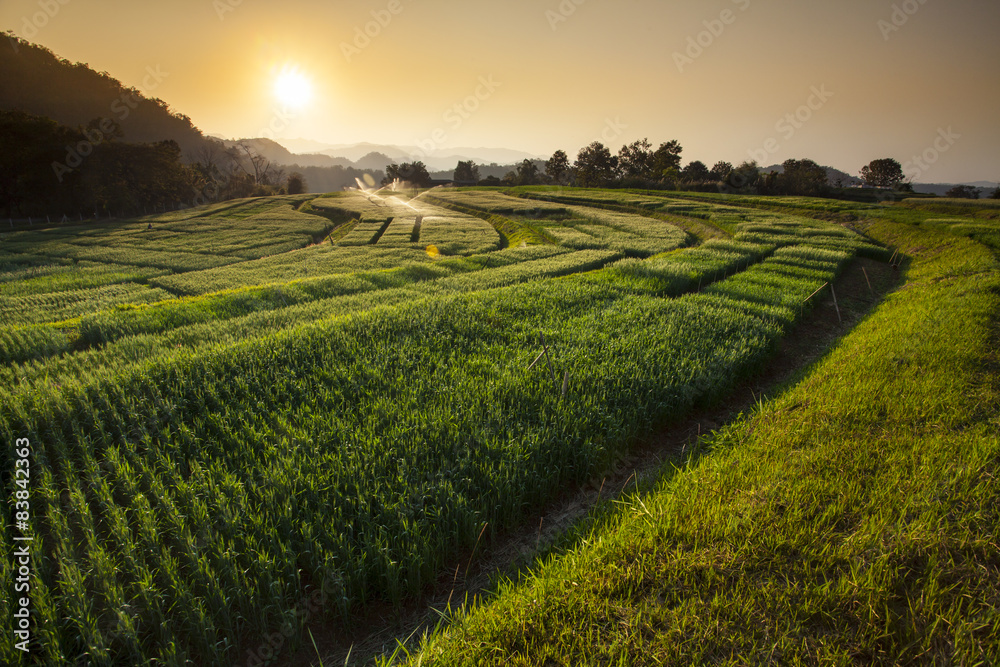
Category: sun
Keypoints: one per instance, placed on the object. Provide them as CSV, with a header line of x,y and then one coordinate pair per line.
x,y
293,88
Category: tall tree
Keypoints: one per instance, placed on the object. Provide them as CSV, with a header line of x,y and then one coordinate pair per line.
x,y
884,173
744,178
467,172
557,167
666,157
527,173
414,174
255,164
595,166
296,184
695,172
801,177
721,171
996,193
635,160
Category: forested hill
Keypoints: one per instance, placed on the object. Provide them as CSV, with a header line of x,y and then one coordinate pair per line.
x,y
35,80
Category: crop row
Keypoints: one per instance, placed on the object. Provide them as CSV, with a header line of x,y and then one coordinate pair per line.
x,y
124,321
59,306
356,456
61,277
501,204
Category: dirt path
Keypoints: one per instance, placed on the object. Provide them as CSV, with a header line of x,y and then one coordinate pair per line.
x,y
472,575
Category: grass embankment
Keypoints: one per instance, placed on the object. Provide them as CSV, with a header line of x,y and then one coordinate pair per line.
x,y
851,519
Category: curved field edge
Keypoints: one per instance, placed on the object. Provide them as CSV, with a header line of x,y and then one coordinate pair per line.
x,y
180,475
852,519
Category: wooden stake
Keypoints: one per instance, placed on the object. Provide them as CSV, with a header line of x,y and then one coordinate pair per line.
x,y
545,351
815,293
835,304
537,359
565,384
869,282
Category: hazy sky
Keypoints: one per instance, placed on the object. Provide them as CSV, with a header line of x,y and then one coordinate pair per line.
x,y
861,79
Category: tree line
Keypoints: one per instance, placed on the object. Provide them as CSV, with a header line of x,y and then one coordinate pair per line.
x,y
638,165
50,168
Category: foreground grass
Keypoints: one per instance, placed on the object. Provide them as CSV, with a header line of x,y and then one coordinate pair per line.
x,y
851,520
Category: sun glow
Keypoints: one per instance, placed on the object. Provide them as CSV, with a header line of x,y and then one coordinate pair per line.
x,y
293,88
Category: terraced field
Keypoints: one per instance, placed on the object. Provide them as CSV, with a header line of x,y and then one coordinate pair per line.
x,y
237,410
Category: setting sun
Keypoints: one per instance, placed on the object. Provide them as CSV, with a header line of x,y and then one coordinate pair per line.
x,y
293,89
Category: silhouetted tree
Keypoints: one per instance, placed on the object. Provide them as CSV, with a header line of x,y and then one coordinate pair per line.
x,y
31,145
800,177
635,160
996,193
884,173
121,177
721,171
666,157
695,172
255,165
467,172
557,167
527,173
296,184
595,166
963,192
46,167
415,174
744,178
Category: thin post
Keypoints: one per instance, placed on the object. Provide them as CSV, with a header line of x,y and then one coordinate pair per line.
x,y
815,293
832,291
565,384
872,291
545,349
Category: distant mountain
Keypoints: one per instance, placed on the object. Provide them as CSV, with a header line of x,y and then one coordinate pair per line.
x,y
322,172
366,155
302,146
278,154
373,161
36,81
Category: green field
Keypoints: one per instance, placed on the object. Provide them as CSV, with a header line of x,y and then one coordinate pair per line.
x,y
273,415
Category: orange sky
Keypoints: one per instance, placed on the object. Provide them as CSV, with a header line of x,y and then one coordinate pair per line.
x,y
839,82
